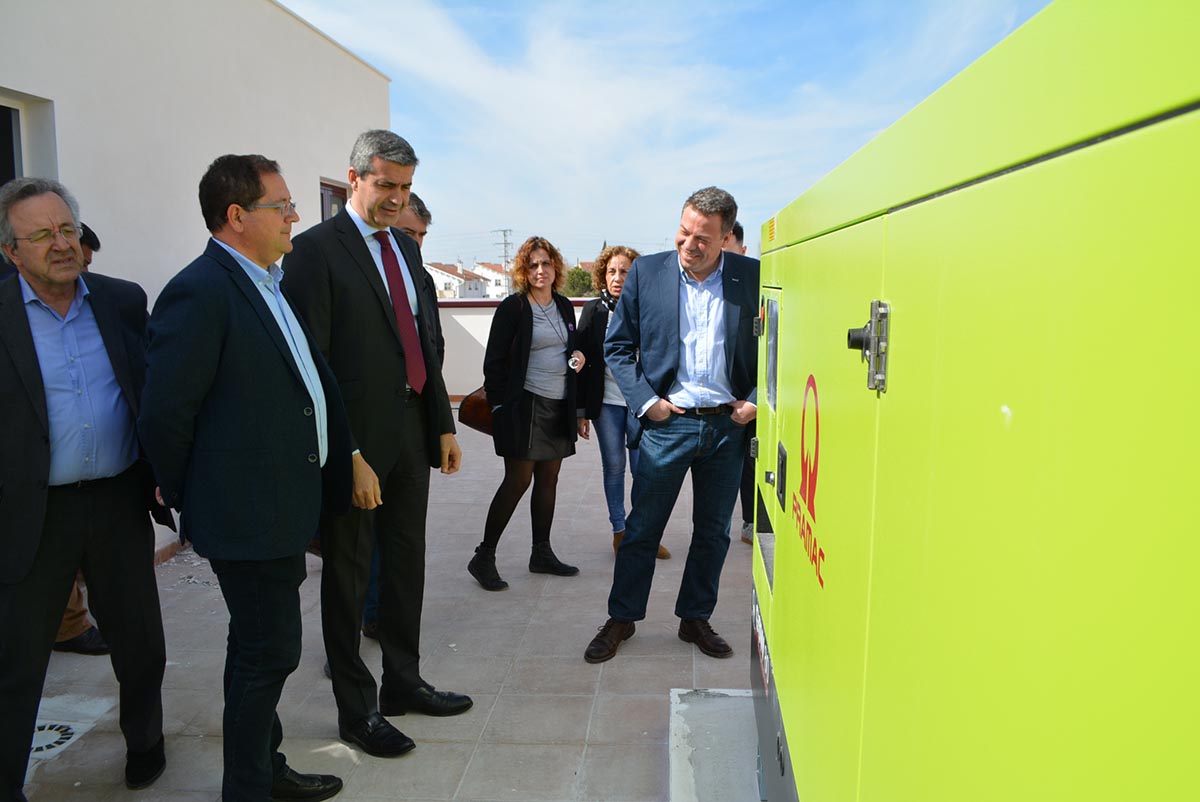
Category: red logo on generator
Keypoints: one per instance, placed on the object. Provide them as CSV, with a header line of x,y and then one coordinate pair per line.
x,y
809,457
804,502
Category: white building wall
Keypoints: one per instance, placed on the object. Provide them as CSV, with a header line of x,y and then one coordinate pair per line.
x,y
128,101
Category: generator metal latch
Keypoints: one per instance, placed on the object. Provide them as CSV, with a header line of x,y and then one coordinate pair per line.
x,y
872,341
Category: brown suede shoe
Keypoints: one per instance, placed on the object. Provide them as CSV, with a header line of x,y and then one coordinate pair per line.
x,y
663,554
698,631
605,644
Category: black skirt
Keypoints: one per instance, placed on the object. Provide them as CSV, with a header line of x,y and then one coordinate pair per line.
x,y
547,436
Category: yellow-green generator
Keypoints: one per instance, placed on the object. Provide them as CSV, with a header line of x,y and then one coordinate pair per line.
x,y
979,435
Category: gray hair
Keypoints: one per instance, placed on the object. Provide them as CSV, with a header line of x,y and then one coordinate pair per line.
x,y
420,209
382,143
20,189
713,200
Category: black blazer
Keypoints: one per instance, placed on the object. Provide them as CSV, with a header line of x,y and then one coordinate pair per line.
x,y
228,423
338,291
120,310
593,323
504,365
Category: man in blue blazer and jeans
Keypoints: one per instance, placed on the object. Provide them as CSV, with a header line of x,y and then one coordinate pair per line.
x,y
681,346
244,424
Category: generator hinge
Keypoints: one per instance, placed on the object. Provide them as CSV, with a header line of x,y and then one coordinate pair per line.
x,y
872,340
753,448
758,327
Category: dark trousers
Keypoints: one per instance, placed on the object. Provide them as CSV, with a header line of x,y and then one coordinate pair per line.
x,y
263,599
104,529
749,490
347,542
712,449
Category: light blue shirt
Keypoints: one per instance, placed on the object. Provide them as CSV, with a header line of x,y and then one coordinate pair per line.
x,y
267,282
92,431
702,378
376,250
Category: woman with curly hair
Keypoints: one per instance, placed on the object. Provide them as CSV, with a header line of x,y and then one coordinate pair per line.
x,y
600,397
529,371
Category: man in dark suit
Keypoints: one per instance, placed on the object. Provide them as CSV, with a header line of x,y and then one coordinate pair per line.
x,y
74,490
375,318
243,422
681,346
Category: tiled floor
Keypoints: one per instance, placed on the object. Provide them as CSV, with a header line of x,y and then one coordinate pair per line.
x,y
545,725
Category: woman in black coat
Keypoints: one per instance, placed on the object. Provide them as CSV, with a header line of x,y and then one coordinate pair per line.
x,y
529,372
600,398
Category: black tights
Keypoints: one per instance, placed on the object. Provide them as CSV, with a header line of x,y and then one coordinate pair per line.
x,y
517,475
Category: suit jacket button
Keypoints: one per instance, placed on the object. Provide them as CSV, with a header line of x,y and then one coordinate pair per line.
x,y
308,411
312,457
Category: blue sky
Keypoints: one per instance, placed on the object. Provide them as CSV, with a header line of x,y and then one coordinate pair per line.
x,y
588,122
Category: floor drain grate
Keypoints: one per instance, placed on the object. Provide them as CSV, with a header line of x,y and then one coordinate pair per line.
x,y
48,737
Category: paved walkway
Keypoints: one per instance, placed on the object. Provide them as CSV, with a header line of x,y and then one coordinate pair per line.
x,y
545,725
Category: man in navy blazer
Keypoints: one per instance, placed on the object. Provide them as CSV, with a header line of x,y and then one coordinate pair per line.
x,y
681,346
74,490
245,427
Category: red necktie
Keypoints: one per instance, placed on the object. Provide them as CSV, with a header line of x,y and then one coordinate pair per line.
x,y
414,357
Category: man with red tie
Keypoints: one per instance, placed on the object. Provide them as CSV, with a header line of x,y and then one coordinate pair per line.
x,y
359,284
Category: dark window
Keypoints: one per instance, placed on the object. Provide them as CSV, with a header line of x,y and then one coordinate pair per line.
x,y
333,200
10,144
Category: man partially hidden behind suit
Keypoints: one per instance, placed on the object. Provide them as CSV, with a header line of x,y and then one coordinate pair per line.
x,y
74,491
360,285
243,422
681,347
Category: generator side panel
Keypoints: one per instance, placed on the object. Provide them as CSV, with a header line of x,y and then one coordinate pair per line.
x,y
817,448
1033,593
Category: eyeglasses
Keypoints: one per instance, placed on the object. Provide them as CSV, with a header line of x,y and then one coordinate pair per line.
x,y
285,207
47,235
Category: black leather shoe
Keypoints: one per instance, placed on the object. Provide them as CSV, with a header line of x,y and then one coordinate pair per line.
x,y
483,568
424,699
90,642
375,736
698,631
543,560
610,636
143,768
370,629
291,784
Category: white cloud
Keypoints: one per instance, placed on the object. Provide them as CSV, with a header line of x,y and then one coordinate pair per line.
x,y
593,128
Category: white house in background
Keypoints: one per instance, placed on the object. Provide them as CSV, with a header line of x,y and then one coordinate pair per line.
x,y
455,282
499,280
473,286
136,98
445,278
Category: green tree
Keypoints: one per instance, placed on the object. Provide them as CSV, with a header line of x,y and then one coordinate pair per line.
x,y
579,284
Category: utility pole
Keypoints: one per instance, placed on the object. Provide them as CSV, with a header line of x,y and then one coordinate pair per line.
x,y
505,233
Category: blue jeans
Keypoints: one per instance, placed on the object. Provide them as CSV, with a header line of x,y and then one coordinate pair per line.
x,y
712,447
611,427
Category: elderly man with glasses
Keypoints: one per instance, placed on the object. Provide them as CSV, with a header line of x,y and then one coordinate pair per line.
x,y
74,489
